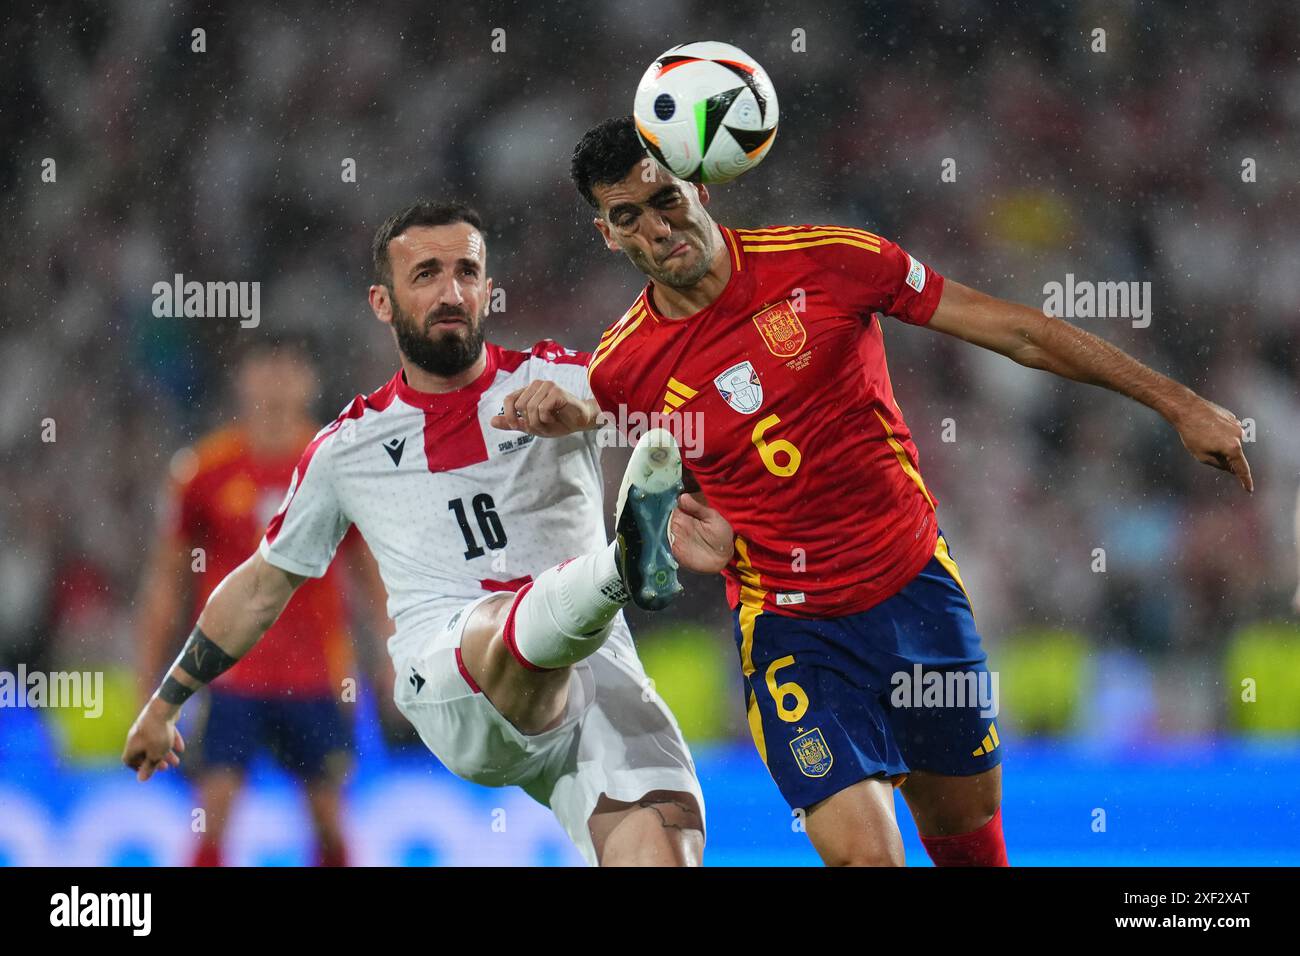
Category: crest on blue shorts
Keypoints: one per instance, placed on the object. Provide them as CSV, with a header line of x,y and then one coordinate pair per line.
x,y
811,753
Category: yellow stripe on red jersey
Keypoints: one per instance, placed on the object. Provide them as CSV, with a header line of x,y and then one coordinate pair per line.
x,y
615,336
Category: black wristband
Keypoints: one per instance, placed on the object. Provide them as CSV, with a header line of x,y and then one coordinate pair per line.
x,y
202,659
174,692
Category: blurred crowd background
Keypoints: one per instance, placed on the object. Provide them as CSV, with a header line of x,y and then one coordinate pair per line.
x,y
1119,165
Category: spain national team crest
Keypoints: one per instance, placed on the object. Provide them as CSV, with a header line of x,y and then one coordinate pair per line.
x,y
781,329
740,388
811,753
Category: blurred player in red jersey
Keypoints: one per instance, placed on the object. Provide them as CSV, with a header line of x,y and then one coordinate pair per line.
x,y
285,694
841,579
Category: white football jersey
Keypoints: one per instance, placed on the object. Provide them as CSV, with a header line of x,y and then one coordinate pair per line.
x,y
451,507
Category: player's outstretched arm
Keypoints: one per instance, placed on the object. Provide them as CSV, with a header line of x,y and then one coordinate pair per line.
x,y
244,605
544,408
159,600
1211,433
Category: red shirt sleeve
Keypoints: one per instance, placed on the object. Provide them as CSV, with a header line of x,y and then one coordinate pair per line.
x,y
876,275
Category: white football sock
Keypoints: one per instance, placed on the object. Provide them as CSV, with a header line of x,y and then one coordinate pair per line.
x,y
567,613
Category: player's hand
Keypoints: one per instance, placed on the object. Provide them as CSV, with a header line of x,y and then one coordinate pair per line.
x,y
1213,435
153,742
544,408
702,540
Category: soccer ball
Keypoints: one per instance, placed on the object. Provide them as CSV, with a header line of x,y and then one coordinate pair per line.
x,y
707,111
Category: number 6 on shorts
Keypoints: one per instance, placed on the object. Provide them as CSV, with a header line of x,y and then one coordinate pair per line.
x,y
780,692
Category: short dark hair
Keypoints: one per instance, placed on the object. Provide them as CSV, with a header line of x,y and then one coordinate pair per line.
x,y
422,212
605,154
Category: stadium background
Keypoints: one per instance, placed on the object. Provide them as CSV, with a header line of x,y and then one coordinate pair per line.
x,y
1121,691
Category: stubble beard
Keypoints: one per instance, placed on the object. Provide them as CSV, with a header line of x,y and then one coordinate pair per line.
x,y
683,280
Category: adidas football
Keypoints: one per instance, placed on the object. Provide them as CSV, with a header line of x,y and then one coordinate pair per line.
x,y
707,111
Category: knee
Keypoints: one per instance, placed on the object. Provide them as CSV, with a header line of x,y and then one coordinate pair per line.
x,y
480,641
663,843
671,812
866,854
662,830
953,820
949,806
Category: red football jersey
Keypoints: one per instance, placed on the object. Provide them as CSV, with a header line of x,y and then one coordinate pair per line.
x,y
802,446
222,496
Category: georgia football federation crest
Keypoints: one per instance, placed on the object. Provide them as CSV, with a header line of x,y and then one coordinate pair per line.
x,y
740,388
811,753
783,333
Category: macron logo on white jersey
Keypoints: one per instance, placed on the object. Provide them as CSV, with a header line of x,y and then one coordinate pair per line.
x,y
394,448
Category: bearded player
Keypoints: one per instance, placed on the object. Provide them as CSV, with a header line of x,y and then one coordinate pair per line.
x,y
841,576
513,660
